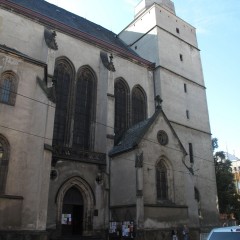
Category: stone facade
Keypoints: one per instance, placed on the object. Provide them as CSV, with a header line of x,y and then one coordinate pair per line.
x,y
53,184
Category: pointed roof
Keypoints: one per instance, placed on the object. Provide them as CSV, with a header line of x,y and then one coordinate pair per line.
x,y
72,20
135,134
59,18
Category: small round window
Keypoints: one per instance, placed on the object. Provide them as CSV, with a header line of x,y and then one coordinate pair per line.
x,y
162,137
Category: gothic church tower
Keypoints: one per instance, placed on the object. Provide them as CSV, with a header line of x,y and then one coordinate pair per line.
x,y
160,36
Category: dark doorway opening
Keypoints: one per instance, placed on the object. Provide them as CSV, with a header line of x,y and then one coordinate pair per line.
x,y
72,213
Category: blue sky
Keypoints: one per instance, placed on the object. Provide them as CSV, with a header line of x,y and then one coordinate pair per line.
x,y
218,31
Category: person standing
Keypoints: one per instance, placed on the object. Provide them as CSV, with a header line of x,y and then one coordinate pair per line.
x,y
185,232
174,234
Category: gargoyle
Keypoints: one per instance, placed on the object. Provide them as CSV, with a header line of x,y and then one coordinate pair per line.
x,y
50,39
50,92
108,64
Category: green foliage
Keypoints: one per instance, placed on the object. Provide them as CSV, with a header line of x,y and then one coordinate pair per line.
x,y
214,143
228,199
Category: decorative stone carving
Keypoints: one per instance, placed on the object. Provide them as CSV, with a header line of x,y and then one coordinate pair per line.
x,y
71,154
139,160
50,92
158,101
50,38
108,64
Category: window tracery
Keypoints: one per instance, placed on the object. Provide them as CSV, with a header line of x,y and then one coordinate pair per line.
x,y
161,181
138,105
8,88
75,106
63,75
121,93
84,108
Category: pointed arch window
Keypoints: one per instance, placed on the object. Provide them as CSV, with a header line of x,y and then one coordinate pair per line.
x,y
121,93
8,88
4,159
138,105
84,113
63,76
161,181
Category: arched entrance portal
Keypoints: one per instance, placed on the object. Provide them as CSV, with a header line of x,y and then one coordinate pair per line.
x,y
75,203
72,212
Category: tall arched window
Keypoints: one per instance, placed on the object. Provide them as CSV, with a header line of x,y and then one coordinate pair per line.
x,y
4,158
63,76
161,181
121,93
138,105
84,114
8,88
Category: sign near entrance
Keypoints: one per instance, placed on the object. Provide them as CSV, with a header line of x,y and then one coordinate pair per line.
x,y
66,219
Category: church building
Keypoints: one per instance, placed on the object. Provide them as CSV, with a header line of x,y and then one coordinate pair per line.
x,y
102,135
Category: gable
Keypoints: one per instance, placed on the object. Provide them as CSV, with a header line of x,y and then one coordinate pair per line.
x,y
151,129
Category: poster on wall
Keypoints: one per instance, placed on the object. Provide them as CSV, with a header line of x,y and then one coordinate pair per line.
x,y
112,227
66,219
122,229
127,229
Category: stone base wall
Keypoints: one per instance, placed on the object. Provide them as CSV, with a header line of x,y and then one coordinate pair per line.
x,y
23,235
10,212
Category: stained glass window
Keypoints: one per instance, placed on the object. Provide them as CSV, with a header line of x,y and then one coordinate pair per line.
x,y
121,93
138,105
84,109
8,87
63,75
161,178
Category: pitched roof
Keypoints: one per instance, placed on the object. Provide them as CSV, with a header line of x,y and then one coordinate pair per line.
x,y
74,21
134,135
6,49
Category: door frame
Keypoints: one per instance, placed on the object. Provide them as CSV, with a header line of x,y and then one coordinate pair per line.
x,y
88,202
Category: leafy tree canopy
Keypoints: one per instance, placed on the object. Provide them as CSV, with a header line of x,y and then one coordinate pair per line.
x,y
228,199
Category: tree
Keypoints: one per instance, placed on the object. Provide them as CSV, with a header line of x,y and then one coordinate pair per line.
x,y
214,143
228,199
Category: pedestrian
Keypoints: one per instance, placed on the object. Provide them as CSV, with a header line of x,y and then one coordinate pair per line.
x,y
185,232
174,234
